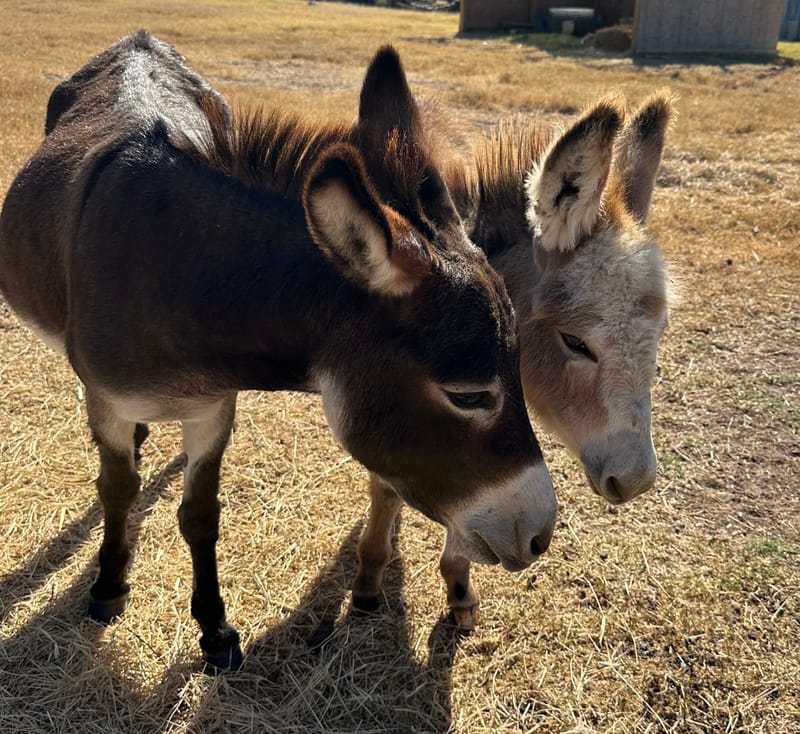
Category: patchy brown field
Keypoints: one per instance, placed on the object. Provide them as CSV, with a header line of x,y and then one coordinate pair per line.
x,y
679,613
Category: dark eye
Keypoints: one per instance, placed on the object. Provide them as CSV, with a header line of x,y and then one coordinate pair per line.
x,y
431,187
578,346
471,400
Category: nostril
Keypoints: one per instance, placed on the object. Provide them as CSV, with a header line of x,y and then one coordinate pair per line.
x,y
539,545
613,490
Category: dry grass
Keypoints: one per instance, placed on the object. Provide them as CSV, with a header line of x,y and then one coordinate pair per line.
x,y
678,613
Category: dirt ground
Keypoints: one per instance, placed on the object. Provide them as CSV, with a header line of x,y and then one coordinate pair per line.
x,y
679,612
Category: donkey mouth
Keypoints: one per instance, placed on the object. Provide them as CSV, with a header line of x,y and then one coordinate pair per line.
x,y
479,551
483,553
513,566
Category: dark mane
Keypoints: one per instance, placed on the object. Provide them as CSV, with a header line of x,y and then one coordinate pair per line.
x,y
275,149
489,186
505,157
263,148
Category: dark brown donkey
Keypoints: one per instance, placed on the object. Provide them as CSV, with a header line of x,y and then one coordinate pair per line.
x,y
173,284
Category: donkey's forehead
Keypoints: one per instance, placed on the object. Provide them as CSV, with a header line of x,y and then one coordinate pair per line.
x,y
463,325
616,274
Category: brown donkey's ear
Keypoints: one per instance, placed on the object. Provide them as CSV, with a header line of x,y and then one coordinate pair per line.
x,y
369,242
565,190
386,101
639,152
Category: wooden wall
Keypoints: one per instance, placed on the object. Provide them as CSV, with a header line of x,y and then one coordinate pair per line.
x,y
712,26
482,15
488,14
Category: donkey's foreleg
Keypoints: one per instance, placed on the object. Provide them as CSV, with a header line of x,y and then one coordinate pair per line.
x,y
117,486
375,546
461,596
204,442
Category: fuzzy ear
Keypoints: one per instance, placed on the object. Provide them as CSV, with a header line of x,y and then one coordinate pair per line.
x,y
386,101
639,152
369,242
565,190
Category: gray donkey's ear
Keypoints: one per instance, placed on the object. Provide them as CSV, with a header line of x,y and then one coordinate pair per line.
x,y
639,149
565,190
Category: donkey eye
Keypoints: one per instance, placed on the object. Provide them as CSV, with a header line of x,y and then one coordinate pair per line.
x,y
471,400
577,346
431,187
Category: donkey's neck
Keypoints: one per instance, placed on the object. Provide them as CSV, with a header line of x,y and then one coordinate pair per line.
x,y
245,298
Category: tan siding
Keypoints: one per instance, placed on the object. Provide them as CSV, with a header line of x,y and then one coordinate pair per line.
x,y
738,26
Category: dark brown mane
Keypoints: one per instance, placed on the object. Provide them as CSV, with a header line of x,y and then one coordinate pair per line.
x,y
488,185
275,149
501,160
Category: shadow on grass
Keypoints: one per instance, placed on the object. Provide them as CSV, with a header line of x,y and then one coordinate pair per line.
x,y
726,62
46,663
560,45
17,586
321,669
329,669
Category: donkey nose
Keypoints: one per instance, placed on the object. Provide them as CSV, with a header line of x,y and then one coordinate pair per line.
x,y
612,491
530,548
618,490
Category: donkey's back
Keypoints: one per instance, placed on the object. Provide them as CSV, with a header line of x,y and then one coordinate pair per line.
x,y
137,85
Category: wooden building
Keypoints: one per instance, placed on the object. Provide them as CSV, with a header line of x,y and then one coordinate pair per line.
x,y
660,26
707,26
477,15
790,27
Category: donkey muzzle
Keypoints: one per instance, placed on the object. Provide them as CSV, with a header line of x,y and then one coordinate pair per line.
x,y
622,468
511,524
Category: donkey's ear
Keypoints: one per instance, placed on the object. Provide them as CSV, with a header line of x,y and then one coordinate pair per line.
x,y
369,242
639,152
565,190
386,101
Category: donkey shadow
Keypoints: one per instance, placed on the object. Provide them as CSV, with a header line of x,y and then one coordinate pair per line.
x,y
351,667
51,675
324,669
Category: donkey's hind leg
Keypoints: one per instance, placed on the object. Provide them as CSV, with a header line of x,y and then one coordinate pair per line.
x,y
117,486
375,546
204,441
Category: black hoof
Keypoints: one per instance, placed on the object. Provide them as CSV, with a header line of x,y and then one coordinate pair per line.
x,y
106,611
363,605
222,652
223,660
